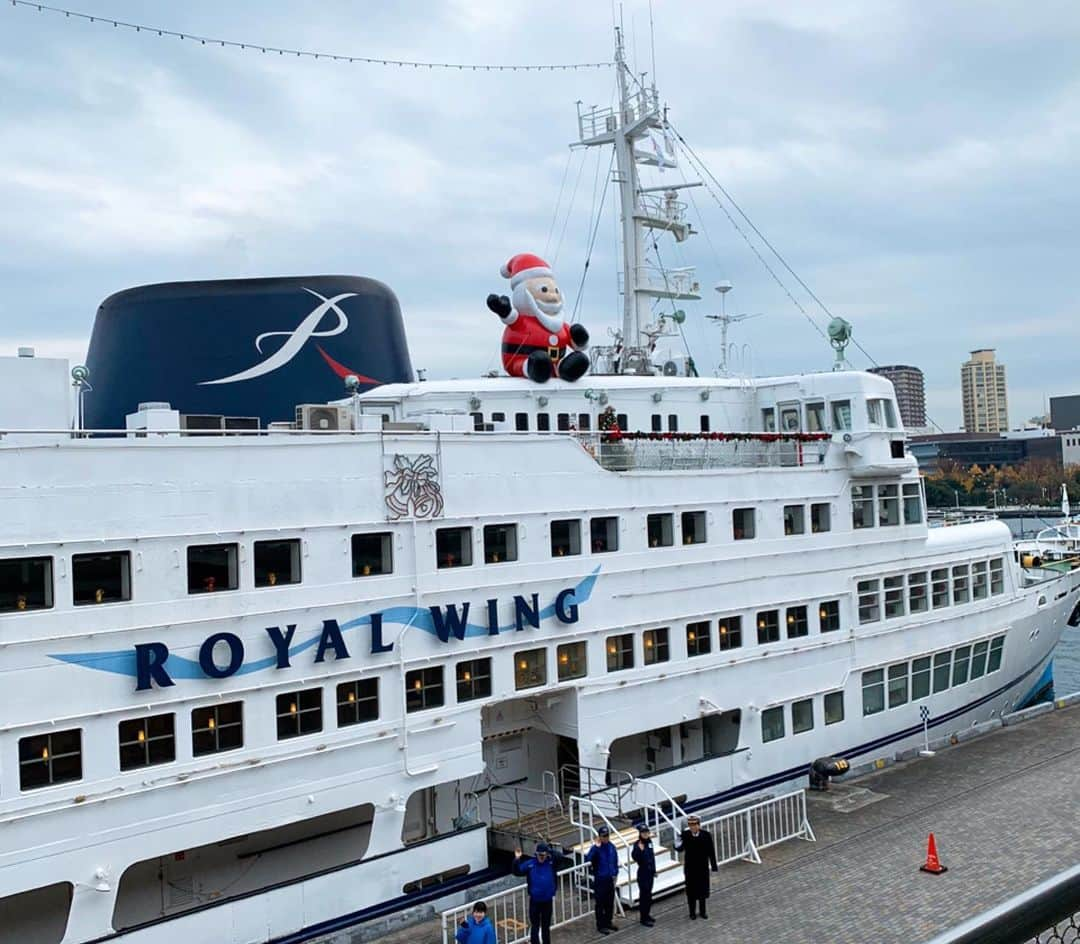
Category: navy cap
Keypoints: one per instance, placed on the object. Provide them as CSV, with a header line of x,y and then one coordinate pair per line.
x,y
603,831
643,827
543,847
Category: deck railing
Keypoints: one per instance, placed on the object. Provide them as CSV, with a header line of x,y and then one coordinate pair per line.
x,y
625,452
742,834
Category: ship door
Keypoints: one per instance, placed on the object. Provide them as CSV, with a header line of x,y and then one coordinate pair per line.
x,y
419,816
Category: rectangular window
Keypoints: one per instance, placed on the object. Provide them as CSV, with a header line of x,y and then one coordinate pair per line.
x,y
543,422
997,644
794,519
729,629
357,701
530,668
212,568
890,414
772,724
372,554
704,421
572,659
912,503
742,523
802,716
101,578
562,422
894,597
473,679
277,562
217,728
820,517
829,616
656,645
657,423
26,584
498,417
979,585
661,530
299,713
584,422
815,417
453,547
888,505
789,419
920,678
672,423
565,538
869,601
147,741
798,624
862,506
500,543
841,415
521,422
978,659
477,422
699,638
693,527
874,413
834,707
942,668
623,422
960,583
939,586
604,534
768,626
997,576
917,599
768,420
898,685
424,689
873,692
46,759
620,652
961,658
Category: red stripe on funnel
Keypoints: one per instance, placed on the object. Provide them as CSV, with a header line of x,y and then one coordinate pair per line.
x,y
341,370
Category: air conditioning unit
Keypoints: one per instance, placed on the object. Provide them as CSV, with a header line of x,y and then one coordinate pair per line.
x,y
246,423
323,417
280,427
201,422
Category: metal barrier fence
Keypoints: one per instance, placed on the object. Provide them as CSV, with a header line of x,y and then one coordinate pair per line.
x,y
743,833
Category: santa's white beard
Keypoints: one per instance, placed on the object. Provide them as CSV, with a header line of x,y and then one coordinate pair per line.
x,y
547,313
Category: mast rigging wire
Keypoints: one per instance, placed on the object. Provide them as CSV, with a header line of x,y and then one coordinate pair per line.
x,y
592,239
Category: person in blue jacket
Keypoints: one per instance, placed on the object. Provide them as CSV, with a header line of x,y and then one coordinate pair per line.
x,y
605,865
541,879
643,855
476,928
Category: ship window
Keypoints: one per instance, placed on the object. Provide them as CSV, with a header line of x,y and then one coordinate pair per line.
x,y
834,707
699,638
894,597
656,645
815,417
789,419
277,562
704,422
521,422
890,415
841,415
912,503
212,568
996,646
498,417
797,623
623,422
742,523
372,554
299,713
920,678
898,685
942,666
693,527
217,728
473,679
657,423
424,688
768,420
562,422
820,517
978,659
960,583
888,505
584,421
862,506
829,616
543,422
997,576
565,537
768,626
620,652
939,587
26,584
772,724
961,658
477,422
794,519
530,668
357,701
101,578
147,741
573,661
917,602
673,423
500,543
45,759
453,547
874,413
869,601
802,716
873,692
604,534
978,580
661,530
729,629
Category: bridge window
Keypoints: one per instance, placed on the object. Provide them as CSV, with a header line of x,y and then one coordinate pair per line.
x,y
277,562
978,659
874,413
794,519
147,741
978,580
45,759
997,576
920,678
562,422
656,645
942,667
604,533
898,685
768,626
299,713
473,679
584,422
834,707
862,506
802,716
912,503
101,578
888,505
453,547
841,415
961,660
217,728
960,592
729,630
815,417
543,422
661,530
768,420
873,692
869,601
573,661
424,689
917,600
772,724
565,538
521,422
699,638
894,597
829,616
623,422
742,524
673,423
372,554
357,701
212,568
530,668
620,652
500,543
693,527
939,586
26,584
657,423
997,644
820,517
797,623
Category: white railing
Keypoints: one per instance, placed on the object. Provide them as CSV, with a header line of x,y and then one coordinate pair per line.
x,y
743,833
625,452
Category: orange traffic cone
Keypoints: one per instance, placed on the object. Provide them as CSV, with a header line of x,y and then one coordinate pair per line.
x,y
933,863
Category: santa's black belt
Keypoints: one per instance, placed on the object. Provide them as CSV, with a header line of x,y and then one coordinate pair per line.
x,y
555,353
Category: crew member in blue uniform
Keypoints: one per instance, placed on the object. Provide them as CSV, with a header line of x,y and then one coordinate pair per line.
x,y
643,855
541,880
698,855
605,864
476,928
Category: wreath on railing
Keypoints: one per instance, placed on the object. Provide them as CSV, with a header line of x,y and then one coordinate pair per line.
x,y
725,437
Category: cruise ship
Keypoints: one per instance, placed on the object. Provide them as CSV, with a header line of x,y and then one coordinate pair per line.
x,y
266,672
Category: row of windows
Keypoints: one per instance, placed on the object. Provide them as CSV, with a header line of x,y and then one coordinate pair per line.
x,y
891,500
880,413
899,594
571,422
915,680
774,720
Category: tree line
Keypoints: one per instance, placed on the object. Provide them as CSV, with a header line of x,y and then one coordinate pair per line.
x,y
1035,482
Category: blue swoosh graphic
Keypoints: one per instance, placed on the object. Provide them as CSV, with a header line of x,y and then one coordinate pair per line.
x,y
122,661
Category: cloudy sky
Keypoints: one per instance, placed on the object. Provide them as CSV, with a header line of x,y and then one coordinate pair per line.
x,y
917,164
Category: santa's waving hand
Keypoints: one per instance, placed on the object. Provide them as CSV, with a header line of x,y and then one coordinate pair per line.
x,y
536,342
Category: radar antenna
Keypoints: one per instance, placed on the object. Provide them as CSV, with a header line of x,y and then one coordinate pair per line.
x,y
724,319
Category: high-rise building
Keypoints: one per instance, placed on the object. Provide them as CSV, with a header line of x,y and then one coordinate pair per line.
x,y
982,385
910,393
1065,412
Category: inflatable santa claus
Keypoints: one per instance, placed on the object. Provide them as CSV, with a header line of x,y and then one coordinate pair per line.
x,y
536,342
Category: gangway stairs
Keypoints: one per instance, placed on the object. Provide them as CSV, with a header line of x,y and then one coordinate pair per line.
x,y
669,873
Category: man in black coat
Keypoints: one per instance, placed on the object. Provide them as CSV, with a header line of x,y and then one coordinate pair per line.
x,y
645,858
698,855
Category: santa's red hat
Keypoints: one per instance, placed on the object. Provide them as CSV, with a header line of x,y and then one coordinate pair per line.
x,y
524,266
